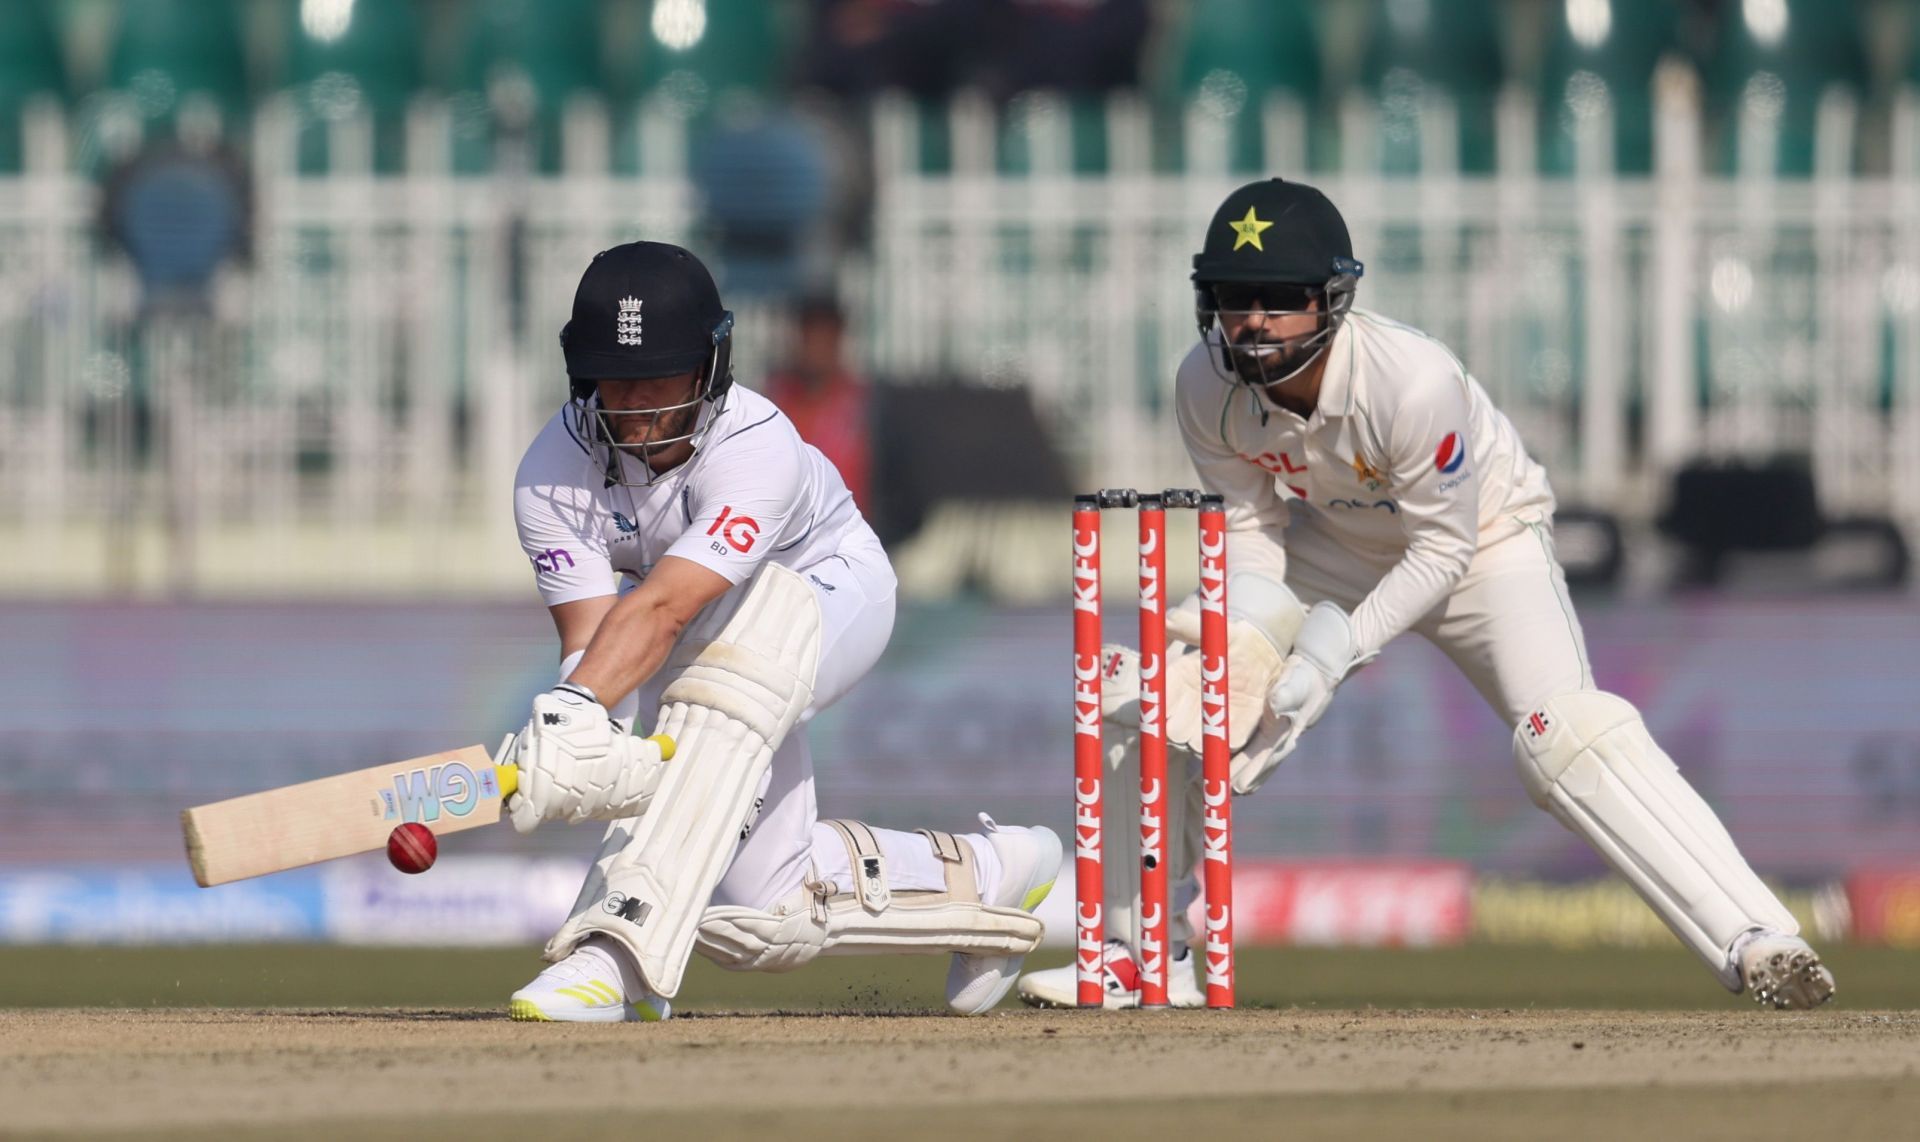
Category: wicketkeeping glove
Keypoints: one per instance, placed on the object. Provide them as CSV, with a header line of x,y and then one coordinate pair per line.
x,y
1263,617
1321,659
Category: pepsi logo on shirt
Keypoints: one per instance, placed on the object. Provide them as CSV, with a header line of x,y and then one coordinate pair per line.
x,y
1451,454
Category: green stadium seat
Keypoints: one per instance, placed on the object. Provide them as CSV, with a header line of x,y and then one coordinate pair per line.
x,y
697,56
1452,45
1230,54
1267,43
1783,55
372,60
554,44
723,46
165,50
30,67
553,47
1604,50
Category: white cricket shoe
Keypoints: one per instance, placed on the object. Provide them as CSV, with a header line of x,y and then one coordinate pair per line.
x,y
1029,863
585,988
1781,971
1119,979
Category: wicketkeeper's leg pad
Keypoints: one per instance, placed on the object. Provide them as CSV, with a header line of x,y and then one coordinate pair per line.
x,y
1587,758
867,917
1120,859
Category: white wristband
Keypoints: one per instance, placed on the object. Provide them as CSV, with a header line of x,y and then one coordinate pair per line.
x,y
624,711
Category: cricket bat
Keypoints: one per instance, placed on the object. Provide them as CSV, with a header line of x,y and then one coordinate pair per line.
x,y
338,816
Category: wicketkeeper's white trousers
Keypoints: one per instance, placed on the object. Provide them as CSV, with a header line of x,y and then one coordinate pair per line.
x,y
1508,625
784,846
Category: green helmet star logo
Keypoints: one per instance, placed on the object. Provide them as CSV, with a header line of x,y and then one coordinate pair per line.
x,y
1247,231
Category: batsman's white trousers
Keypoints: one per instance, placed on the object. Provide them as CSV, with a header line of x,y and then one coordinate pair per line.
x,y
782,848
1508,625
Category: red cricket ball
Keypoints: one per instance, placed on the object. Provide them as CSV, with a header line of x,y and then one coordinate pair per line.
x,y
411,847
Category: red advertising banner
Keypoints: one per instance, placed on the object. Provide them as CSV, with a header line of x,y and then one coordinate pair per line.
x,y
1350,903
1886,906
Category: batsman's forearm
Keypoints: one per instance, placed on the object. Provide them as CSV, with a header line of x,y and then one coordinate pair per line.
x,y
631,643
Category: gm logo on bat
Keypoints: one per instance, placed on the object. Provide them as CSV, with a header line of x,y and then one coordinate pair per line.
x,y
421,794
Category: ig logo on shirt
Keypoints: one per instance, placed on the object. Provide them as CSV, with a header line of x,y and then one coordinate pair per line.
x,y
739,531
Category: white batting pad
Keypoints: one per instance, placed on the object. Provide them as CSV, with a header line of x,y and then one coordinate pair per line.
x,y
865,917
1586,757
743,673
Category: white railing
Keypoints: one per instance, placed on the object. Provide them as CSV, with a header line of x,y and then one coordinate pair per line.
x,y
1587,306
349,416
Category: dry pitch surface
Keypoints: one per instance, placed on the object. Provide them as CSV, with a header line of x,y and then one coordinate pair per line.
x,y
1291,1074
1499,1065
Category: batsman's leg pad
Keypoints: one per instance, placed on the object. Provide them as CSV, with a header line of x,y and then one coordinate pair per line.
x,y
1586,757
869,918
743,673
779,939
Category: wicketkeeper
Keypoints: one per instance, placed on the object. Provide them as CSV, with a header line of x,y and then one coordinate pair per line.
x,y
707,568
1371,489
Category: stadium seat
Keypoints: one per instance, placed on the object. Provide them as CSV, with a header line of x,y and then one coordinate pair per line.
x,y
525,58
166,50
29,67
1451,45
700,56
1780,57
1230,54
701,50
371,60
1604,50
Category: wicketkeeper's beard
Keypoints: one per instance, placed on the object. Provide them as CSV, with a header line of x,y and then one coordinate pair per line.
x,y
1260,361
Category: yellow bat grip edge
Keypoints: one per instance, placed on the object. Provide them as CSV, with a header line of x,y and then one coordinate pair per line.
x,y
508,776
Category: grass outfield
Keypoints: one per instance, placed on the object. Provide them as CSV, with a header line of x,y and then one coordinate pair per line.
x,y
1486,977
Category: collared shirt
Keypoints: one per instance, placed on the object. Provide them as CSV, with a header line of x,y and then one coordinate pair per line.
x,y
753,492
1404,462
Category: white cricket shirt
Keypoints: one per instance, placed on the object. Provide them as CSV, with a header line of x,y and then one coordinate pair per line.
x,y
753,491
1405,463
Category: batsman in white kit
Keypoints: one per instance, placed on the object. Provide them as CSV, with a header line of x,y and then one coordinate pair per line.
x,y
1372,488
751,594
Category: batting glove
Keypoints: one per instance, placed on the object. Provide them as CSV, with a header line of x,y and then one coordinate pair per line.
x,y
577,763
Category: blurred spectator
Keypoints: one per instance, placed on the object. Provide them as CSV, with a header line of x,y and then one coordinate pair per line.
x,y
766,181
1080,46
825,398
856,48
